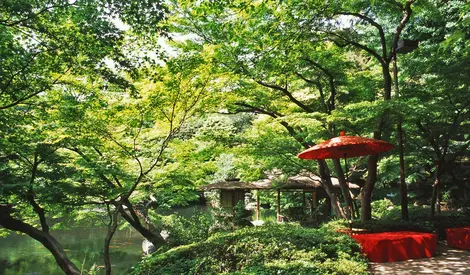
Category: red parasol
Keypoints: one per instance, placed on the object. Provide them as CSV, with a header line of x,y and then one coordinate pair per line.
x,y
346,147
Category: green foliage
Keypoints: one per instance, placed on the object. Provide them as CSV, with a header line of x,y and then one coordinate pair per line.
x,y
389,219
185,231
94,270
264,250
90,109
301,66
240,215
380,208
226,168
44,42
267,148
416,212
199,225
335,225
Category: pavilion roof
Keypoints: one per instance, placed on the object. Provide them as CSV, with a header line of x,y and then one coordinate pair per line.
x,y
303,181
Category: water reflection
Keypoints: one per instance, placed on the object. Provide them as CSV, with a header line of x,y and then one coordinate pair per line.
x,y
22,255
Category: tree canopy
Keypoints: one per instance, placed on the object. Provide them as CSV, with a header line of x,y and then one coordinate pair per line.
x,y
119,105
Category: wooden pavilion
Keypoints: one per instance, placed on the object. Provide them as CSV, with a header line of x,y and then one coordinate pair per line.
x,y
233,191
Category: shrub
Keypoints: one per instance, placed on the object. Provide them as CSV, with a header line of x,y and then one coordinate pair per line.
x,y
199,226
415,212
276,249
185,231
381,207
420,220
449,220
386,225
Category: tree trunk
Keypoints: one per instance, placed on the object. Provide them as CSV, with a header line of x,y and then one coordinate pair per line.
x,y
154,237
435,190
366,192
403,189
344,188
326,181
356,208
438,201
387,81
45,239
111,230
434,200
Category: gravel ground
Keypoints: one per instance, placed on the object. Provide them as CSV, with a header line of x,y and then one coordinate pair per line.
x,y
447,261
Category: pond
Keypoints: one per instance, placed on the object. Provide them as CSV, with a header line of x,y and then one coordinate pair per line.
x,y
20,254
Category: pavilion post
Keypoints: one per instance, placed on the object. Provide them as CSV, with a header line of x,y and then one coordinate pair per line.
x,y
313,204
303,201
257,206
233,202
278,210
328,203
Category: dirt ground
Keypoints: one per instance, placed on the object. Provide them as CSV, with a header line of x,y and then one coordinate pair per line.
x,y
447,261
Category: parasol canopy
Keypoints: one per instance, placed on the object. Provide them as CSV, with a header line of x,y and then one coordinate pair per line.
x,y
346,147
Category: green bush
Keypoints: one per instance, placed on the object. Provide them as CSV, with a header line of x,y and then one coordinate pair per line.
x,y
420,219
276,249
449,220
187,230
414,212
381,208
386,225
199,226
228,219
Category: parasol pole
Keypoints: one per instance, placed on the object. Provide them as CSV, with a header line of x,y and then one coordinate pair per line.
x,y
351,215
343,133
347,179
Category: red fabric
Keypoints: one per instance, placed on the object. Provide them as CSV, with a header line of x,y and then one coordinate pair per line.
x,y
397,246
346,146
459,237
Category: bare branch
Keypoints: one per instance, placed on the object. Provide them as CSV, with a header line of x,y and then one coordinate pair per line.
x,y
460,151
383,42
30,196
87,159
34,93
406,17
319,86
141,124
8,23
25,158
286,92
331,81
431,140
381,59
26,65
251,108
129,153
291,130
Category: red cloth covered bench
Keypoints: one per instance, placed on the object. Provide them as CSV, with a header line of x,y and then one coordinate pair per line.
x,y
397,246
458,237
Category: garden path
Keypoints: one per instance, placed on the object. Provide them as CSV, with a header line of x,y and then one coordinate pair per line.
x,y
447,261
